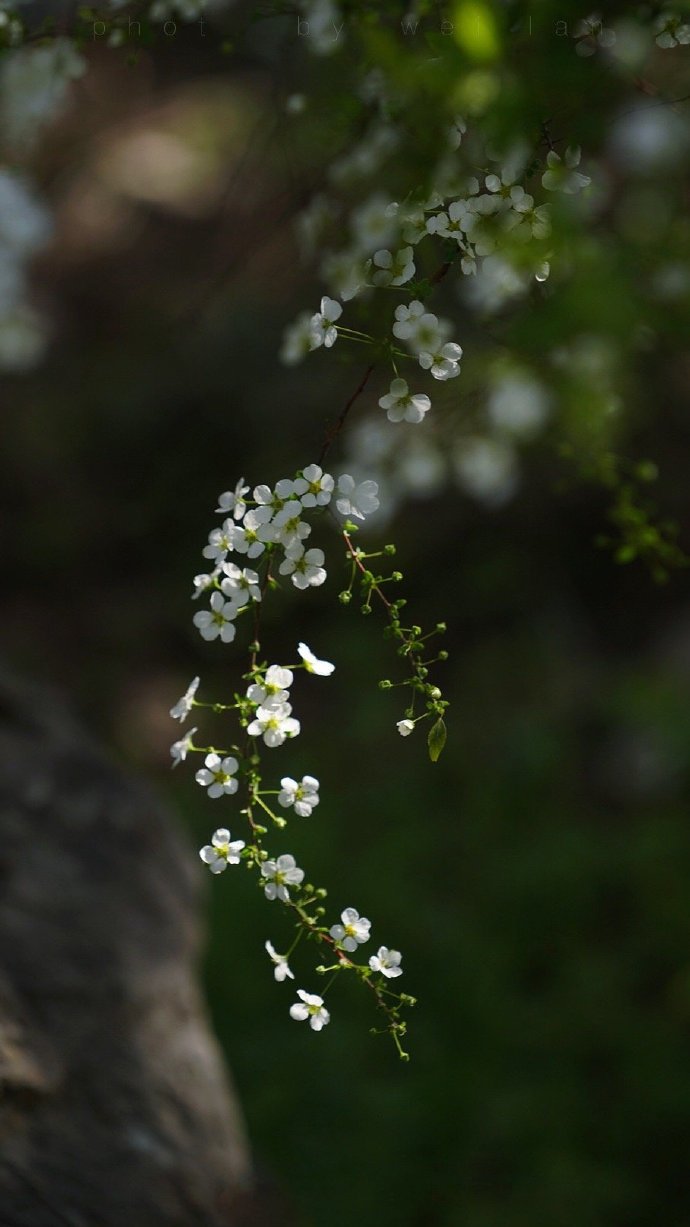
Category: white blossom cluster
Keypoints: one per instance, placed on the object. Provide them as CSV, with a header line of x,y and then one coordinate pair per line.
x,y
271,520
265,525
281,874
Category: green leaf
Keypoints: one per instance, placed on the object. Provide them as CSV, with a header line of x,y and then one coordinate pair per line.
x,y
436,740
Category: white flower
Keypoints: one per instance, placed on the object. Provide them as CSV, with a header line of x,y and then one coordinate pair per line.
x,y
307,569
303,797
314,488
281,968
219,620
221,852
387,962
358,501
203,582
311,1006
323,326
353,931
219,542
419,328
281,873
180,749
239,584
273,690
405,727
233,501
274,724
458,221
401,406
255,533
323,668
562,176
288,527
218,776
443,364
184,705
393,270
299,339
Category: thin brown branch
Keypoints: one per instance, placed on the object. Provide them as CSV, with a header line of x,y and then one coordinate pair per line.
x,y
335,430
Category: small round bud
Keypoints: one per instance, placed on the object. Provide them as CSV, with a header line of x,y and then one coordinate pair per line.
x,y
397,576
255,646
443,655
389,549
344,598
441,627
385,684
434,692
366,609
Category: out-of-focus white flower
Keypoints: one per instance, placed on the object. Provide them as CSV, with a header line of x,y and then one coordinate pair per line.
x,y
393,269
356,500
405,727
561,175
180,749
456,132
372,224
34,87
518,404
486,469
184,705
671,30
299,339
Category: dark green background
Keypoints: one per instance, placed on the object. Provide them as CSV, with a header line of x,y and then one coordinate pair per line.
x,y
536,878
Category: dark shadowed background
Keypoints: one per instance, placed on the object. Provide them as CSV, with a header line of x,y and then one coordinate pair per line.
x,y
536,877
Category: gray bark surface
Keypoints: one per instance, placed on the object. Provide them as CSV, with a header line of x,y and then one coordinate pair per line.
x,y
115,1105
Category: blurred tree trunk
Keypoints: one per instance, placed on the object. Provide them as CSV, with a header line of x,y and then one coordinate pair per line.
x,y
115,1107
